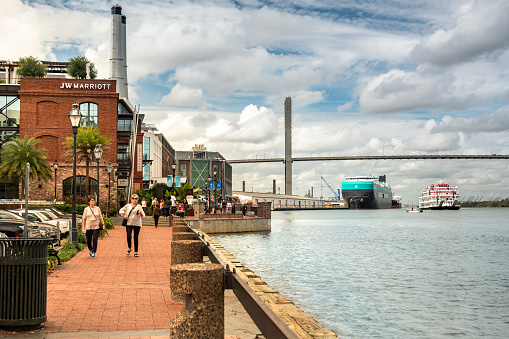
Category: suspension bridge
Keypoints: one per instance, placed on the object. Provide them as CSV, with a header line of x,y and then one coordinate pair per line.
x,y
264,128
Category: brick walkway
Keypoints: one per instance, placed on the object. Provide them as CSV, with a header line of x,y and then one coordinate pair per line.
x,y
114,292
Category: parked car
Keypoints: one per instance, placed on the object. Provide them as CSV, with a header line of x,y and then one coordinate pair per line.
x,y
14,229
45,229
57,212
43,216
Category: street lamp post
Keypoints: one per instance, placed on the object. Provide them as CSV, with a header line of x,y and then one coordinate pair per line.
x,y
98,152
55,166
173,167
215,189
75,117
109,168
208,190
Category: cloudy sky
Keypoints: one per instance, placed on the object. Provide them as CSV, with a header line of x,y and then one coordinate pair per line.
x,y
366,77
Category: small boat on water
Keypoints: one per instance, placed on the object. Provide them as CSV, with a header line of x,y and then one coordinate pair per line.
x,y
412,210
440,197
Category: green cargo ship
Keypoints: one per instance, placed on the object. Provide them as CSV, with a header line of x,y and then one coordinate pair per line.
x,y
367,192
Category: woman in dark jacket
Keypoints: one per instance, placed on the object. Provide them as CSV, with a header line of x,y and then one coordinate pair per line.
x,y
156,212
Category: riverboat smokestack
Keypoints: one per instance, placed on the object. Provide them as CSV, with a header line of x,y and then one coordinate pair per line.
x,y
118,59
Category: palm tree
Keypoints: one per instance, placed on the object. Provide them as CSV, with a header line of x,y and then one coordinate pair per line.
x,y
17,153
86,140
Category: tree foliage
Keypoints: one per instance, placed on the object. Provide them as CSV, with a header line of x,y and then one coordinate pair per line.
x,y
18,152
182,192
86,140
78,68
31,67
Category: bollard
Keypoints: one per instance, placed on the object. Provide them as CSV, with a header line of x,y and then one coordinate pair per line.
x,y
181,229
186,251
182,236
203,314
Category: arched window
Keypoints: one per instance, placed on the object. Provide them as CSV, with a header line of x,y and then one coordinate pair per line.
x,y
89,114
80,186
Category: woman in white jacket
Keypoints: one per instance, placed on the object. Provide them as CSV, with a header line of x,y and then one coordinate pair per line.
x,y
133,213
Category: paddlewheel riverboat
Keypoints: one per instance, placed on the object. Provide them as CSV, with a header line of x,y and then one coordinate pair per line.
x,y
440,197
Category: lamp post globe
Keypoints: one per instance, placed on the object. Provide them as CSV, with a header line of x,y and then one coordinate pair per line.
x,y
98,152
55,166
75,118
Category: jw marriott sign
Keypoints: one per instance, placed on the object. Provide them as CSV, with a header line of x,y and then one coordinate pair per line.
x,y
77,85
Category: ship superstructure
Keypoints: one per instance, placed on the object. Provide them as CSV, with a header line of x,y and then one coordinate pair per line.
x,y
440,197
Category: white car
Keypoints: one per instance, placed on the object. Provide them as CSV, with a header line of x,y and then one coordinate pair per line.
x,y
44,216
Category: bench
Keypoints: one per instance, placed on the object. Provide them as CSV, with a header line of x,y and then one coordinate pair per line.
x,y
53,251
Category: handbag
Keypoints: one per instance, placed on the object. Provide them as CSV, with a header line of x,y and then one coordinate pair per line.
x,y
101,225
124,222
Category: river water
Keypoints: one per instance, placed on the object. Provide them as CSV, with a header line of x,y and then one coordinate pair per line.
x,y
388,273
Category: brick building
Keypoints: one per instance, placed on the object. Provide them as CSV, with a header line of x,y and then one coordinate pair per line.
x,y
40,109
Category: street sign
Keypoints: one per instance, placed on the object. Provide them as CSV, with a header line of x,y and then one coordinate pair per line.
x,y
211,185
169,180
177,181
218,185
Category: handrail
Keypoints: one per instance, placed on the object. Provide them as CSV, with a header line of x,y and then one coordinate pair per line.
x,y
265,318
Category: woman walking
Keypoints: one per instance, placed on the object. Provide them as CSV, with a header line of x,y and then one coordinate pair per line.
x,y
132,213
155,213
92,218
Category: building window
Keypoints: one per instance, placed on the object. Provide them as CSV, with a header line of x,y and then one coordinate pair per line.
x,y
123,154
183,170
146,148
89,115
146,172
124,125
146,156
80,186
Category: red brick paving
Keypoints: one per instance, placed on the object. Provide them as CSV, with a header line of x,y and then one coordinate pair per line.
x,y
114,292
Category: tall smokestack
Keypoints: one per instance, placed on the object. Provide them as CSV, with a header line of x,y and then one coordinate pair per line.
x,y
124,55
118,48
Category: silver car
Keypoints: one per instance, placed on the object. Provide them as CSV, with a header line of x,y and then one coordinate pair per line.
x,y
45,229
44,216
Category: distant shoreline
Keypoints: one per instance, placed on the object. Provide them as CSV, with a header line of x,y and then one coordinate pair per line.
x,y
500,203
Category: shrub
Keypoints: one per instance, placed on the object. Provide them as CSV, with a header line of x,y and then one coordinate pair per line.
x,y
108,224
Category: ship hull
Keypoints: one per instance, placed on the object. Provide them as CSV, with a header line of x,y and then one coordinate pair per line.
x,y
442,208
367,199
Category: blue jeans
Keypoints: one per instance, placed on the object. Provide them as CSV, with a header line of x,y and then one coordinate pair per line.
x,y
92,243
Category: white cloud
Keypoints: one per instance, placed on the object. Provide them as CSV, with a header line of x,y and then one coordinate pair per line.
x,y
183,96
345,107
482,31
497,121
425,88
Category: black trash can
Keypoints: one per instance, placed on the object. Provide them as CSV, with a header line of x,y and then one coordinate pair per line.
x,y
23,283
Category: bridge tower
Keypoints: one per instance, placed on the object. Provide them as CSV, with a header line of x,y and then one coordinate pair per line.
x,y
288,146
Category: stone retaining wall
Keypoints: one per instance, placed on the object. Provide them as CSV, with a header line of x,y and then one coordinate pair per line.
x,y
230,225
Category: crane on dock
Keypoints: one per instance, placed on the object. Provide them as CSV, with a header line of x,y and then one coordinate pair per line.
x,y
335,193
